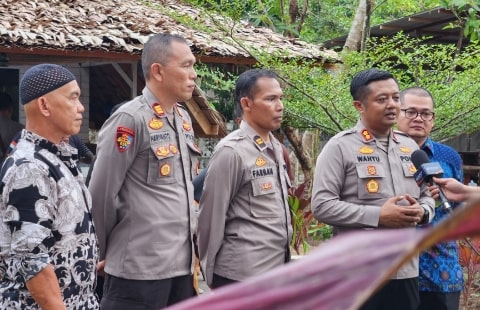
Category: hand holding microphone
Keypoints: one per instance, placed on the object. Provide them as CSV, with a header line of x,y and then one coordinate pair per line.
x,y
454,190
426,172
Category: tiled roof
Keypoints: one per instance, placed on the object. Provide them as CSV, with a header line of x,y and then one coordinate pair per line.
x,y
123,26
433,24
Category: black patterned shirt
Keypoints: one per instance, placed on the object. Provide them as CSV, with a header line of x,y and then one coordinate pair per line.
x,y
45,219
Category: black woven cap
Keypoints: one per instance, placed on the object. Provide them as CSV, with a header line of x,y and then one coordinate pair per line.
x,y
42,79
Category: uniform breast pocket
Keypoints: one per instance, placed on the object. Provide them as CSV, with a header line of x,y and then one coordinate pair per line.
x,y
160,166
263,202
195,154
371,181
411,186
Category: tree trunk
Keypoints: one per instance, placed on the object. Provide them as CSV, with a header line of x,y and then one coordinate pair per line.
x,y
366,28
292,13
355,34
302,17
299,152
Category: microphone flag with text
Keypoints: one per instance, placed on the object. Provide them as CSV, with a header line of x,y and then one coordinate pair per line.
x,y
426,170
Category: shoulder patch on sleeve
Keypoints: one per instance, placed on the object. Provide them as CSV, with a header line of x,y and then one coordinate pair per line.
x,y
124,138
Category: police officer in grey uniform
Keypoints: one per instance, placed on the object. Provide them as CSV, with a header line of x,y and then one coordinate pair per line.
x,y
244,223
364,180
141,185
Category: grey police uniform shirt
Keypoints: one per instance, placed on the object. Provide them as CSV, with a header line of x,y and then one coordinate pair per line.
x,y
142,191
244,226
355,175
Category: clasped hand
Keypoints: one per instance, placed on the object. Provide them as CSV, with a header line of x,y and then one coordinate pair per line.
x,y
395,215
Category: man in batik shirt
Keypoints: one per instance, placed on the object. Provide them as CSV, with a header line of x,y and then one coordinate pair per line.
x,y
48,248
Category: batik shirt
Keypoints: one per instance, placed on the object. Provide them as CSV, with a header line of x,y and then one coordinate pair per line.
x,y
440,270
45,219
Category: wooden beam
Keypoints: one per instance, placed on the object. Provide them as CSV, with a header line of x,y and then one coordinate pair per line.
x,y
388,27
419,20
97,54
227,60
131,82
208,128
135,79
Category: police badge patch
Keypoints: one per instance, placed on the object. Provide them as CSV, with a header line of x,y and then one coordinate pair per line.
x,y
124,138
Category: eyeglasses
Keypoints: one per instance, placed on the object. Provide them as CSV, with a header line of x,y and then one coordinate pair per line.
x,y
412,114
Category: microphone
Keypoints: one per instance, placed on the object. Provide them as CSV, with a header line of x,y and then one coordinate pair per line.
x,y
426,170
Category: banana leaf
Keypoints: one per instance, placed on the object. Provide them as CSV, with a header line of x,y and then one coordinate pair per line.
x,y
343,272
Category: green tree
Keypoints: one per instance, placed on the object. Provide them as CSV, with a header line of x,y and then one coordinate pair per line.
x,y
319,98
312,21
468,16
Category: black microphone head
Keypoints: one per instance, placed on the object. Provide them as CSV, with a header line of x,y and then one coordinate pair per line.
x,y
419,157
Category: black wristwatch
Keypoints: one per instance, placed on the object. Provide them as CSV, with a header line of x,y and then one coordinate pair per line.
x,y
425,218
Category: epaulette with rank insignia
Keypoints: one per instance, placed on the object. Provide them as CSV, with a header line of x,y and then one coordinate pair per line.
x,y
346,132
400,133
181,109
233,139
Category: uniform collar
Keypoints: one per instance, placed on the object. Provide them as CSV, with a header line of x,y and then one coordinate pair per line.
x,y
367,136
156,107
257,140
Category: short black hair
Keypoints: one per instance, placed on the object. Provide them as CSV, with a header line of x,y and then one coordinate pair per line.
x,y
6,101
157,49
359,84
246,85
417,91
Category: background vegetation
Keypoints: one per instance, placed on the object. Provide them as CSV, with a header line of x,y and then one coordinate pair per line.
x,y
319,98
316,97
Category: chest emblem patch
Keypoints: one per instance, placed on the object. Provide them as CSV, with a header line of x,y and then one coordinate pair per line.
x,y
267,186
371,170
162,151
366,150
165,170
405,150
260,161
373,186
155,124
173,149
186,126
412,168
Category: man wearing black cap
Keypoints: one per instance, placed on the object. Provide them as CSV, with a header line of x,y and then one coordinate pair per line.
x,y
48,249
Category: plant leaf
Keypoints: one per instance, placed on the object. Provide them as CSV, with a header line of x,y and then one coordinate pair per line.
x,y
340,274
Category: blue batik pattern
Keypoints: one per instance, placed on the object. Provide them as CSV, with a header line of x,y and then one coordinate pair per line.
x,y
440,270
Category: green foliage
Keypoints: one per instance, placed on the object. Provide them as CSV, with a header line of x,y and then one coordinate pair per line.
x,y
316,97
319,98
453,80
325,19
220,85
388,10
302,217
468,14
320,231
